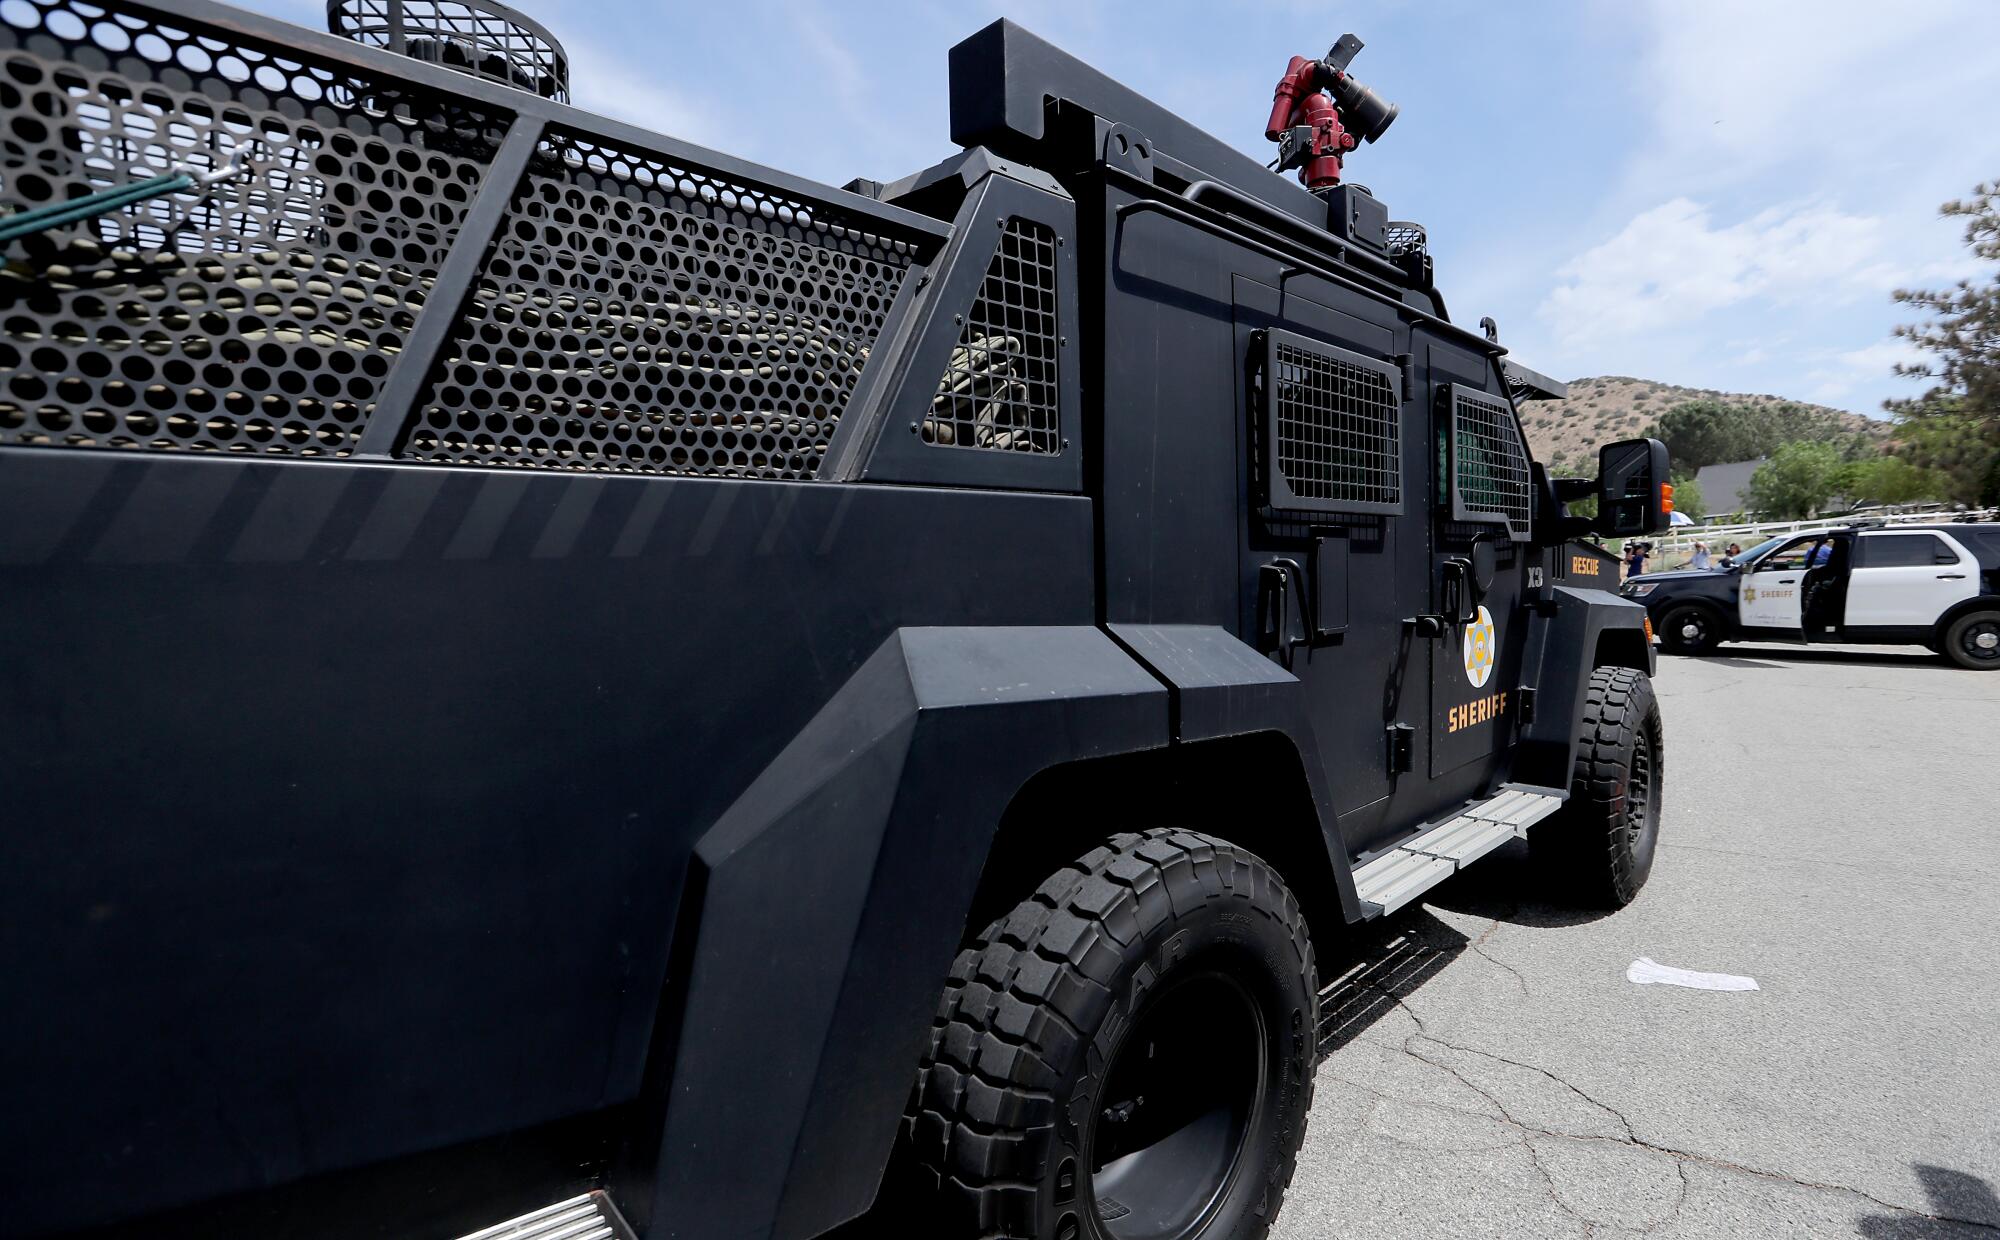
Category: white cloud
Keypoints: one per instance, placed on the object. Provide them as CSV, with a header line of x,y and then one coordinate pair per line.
x,y
1840,372
601,82
1836,87
1672,264
1783,178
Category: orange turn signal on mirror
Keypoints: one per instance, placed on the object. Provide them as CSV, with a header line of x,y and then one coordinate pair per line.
x,y
1666,497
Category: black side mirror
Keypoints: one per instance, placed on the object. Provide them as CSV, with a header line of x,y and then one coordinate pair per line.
x,y
1633,494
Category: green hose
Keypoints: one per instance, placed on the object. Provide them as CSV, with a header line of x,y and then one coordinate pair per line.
x,y
103,202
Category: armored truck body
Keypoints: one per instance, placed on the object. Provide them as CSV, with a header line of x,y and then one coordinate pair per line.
x,y
539,651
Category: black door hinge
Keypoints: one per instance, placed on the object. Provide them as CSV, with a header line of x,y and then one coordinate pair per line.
x,y
1402,747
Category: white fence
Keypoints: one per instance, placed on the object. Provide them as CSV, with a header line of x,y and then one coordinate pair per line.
x,y
1674,548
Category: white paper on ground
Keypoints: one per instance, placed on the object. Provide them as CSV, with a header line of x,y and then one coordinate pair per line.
x,y
1646,972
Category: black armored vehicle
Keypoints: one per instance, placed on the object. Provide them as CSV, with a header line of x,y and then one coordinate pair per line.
x,y
569,685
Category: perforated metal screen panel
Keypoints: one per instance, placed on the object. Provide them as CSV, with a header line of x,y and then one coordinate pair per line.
x,y
260,314
999,389
1490,477
1333,428
634,315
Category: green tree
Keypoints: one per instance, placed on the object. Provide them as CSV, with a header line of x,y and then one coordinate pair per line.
x,y
1891,480
1954,427
1941,438
1797,481
1707,432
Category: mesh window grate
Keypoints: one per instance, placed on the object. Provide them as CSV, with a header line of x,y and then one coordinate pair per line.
x,y
637,316
1338,428
260,314
1406,237
1491,464
999,389
471,36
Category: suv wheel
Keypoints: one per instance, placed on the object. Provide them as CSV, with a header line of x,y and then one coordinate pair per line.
x,y
1599,847
1973,641
1690,629
1128,1054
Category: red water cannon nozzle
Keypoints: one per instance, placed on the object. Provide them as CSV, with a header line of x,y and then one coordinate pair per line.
x,y
1319,113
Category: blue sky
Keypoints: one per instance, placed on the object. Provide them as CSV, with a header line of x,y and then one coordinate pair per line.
x,y
1718,193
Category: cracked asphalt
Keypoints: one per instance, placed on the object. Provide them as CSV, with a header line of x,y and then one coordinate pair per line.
x,y
1831,830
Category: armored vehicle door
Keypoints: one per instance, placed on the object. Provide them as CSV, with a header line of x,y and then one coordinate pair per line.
x,y
1480,516
1337,537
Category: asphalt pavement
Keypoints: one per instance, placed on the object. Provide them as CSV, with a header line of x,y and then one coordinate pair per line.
x,y
1832,829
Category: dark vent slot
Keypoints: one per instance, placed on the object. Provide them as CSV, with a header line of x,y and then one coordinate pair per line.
x,y
258,314
999,389
637,316
1490,479
1334,422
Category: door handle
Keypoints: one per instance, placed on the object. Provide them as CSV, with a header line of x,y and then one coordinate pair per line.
x,y
1281,595
1785,581
1951,576
1460,600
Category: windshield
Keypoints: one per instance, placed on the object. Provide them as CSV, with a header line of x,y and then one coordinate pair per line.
x,y
1752,553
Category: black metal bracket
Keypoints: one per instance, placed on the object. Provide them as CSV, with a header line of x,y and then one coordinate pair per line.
x,y
1427,624
1126,148
1281,596
1402,748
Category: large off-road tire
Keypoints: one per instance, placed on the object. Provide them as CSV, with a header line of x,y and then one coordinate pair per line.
x,y
1598,849
1128,1054
1690,628
1973,641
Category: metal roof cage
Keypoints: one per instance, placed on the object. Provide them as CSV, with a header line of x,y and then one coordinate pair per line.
x,y
478,37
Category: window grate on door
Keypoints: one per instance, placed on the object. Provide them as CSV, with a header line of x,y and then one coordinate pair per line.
x,y
1332,428
1490,478
999,388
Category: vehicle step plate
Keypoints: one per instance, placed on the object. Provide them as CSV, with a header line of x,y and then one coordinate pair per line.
x,y
588,1217
1435,853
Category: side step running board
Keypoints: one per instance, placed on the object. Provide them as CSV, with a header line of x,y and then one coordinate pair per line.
x,y
588,1217
1436,853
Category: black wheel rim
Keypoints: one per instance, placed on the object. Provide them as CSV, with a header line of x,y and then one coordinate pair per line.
x,y
1181,1094
1691,629
1981,641
1642,805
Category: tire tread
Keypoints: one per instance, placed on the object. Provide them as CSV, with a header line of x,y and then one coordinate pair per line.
x,y
1020,997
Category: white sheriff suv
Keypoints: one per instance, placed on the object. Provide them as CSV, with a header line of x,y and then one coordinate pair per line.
x,y
1919,585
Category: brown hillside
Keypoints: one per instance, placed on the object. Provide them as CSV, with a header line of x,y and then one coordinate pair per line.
x,y
1610,407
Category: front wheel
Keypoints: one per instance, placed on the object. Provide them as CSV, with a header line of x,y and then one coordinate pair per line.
x,y
1599,847
1128,1054
1973,641
1690,629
